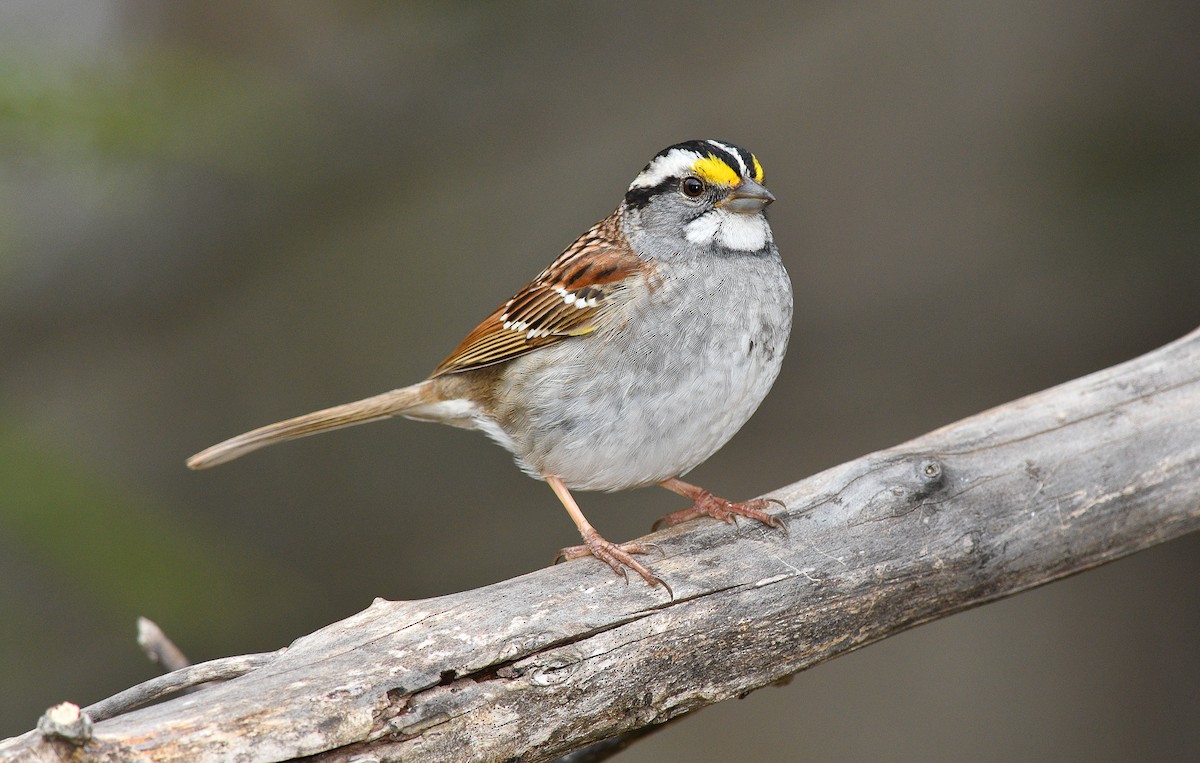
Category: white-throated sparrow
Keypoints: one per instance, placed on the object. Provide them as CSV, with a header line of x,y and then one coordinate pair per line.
x,y
630,360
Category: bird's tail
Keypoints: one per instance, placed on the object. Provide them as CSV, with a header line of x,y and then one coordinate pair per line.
x,y
383,406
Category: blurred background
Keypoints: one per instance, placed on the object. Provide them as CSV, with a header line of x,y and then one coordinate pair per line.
x,y
214,215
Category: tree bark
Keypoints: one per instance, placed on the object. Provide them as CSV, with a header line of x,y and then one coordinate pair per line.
x,y
531,668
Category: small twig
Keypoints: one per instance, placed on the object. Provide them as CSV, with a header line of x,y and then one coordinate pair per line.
x,y
171,683
160,649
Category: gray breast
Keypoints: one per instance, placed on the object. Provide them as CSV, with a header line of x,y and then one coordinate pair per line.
x,y
660,390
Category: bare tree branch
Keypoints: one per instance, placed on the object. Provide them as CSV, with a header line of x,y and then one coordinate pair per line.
x,y
550,662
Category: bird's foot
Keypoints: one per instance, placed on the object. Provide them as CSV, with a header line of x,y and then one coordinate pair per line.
x,y
619,556
705,504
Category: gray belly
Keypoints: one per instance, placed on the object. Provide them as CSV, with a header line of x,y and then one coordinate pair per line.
x,y
655,394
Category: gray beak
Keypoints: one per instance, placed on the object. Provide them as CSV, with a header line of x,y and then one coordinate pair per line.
x,y
747,198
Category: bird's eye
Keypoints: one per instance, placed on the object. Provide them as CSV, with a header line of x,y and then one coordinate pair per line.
x,y
692,186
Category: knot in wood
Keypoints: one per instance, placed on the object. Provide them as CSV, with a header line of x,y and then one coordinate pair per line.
x,y
67,722
900,486
552,668
931,473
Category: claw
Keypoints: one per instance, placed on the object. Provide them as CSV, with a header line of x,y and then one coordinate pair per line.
x,y
705,504
617,556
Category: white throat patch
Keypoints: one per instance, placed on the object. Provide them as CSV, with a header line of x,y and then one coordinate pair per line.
x,y
733,230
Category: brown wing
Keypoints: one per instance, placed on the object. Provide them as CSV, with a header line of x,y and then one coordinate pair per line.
x,y
565,300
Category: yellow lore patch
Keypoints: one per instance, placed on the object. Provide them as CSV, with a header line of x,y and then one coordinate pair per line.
x,y
713,170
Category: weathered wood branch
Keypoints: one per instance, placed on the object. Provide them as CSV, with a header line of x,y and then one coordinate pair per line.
x,y
530,668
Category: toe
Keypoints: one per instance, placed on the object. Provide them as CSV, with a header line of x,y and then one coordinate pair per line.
x,y
618,557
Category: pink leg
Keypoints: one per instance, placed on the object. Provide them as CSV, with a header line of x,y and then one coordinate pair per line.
x,y
705,504
619,557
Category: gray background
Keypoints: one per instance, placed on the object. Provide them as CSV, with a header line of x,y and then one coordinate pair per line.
x,y
214,215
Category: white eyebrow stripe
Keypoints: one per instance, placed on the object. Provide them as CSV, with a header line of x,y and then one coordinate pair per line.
x,y
671,164
737,156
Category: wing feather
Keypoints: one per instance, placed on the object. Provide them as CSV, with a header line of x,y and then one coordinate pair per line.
x,y
566,300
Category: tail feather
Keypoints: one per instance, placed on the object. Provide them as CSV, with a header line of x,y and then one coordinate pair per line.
x,y
374,408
